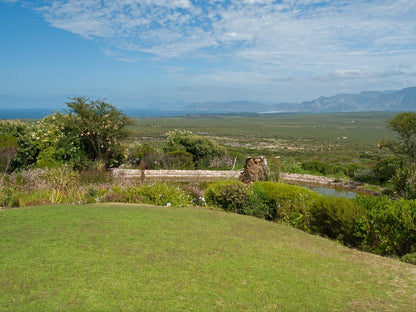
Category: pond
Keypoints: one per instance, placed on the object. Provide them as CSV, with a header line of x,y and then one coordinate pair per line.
x,y
327,191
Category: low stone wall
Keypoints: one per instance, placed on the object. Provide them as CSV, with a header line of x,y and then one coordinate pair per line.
x,y
180,174
307,178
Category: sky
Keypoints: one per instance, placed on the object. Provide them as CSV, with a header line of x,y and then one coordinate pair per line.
x,y
168,53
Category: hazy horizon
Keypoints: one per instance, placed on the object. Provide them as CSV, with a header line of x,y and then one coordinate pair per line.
x,y
168,53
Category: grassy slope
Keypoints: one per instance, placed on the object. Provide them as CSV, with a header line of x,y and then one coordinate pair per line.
x,y
144,258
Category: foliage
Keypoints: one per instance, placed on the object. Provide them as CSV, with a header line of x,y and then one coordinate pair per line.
x,y
58,142
289,203
275,168
336,218
229,195
156,193
315,166
161,193
101,128
386,168
27,151
409,258
8,150
365,174
404,182
179,160
404,124
200,147
387,227
137,151
256,203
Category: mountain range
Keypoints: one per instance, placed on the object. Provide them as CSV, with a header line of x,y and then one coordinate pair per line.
x,y
366,101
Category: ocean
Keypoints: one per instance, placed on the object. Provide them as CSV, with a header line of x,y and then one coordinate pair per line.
x,y
38,113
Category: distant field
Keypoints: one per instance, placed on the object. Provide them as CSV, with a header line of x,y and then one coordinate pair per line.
x,y
336,138
115,257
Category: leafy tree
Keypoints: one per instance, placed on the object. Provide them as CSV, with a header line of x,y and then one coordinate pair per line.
x,y
101,128
404,180
405,126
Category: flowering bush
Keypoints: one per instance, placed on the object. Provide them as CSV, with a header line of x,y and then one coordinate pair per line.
x,y
57,141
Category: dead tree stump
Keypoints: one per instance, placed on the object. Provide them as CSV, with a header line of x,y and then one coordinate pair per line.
x,y
255,170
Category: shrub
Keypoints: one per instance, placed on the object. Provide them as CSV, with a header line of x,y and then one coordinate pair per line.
x,y
336,217
201,148
386,168
27,151
316,166
293,168
156,193
364,174
229,195
289,203
404,182
8,150
350,169
179,160
256,203
409,258
57,142
161,193
100,127
387,227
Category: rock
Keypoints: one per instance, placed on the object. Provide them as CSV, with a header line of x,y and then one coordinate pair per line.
x,y
255,170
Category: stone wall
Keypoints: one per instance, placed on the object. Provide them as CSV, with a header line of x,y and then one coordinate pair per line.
x,y
180,174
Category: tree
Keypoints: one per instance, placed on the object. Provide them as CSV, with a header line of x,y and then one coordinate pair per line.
x,y
405,126
101,128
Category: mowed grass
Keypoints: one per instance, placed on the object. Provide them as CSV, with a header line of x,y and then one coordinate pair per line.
x,y
113,257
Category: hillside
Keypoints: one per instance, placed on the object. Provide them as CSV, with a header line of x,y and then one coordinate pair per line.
x,y
111,257
366,101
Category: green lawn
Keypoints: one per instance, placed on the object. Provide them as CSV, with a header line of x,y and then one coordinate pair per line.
x,y
114,257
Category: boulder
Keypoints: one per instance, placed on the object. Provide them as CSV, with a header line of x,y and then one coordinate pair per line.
x,y
255,170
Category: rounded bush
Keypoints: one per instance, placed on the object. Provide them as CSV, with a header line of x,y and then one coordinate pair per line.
x,y
229,195
336,218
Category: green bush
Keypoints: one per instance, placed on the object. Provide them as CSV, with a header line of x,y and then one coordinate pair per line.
x,y
27,151
289,203
387,227
336,218
409,258
229,195
350,169
256,203
58,143
386,168
318,167
179,160
404,182
201,148
161,193
156,193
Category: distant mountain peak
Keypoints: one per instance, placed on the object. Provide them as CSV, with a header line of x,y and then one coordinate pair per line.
x,y
390,100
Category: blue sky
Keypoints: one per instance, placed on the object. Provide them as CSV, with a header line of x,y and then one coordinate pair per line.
x,y
167,53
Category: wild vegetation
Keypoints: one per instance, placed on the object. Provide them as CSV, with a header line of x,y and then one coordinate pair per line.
x,y
64,158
